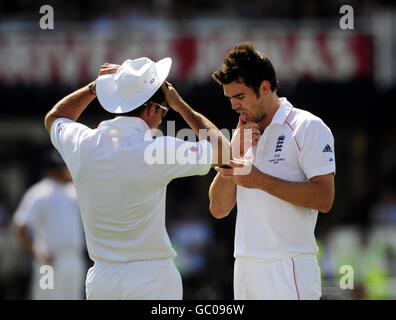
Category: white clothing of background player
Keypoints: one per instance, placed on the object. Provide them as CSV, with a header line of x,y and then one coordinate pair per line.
x,y
121,194
49,224
289,177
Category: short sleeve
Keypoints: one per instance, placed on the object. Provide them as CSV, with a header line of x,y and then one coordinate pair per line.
x,y
316,154
66,135
28,211
172,158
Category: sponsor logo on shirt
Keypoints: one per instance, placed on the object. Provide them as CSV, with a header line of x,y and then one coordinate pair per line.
x,y
327,148
276,159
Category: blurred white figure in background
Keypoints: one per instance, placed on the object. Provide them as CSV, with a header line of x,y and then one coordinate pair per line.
x,y
49,224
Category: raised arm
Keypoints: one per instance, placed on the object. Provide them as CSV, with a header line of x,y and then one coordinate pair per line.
x,y
222,192
75,103
202,126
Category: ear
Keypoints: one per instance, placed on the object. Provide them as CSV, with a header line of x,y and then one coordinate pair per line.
x,y
150,110
146,116
265,87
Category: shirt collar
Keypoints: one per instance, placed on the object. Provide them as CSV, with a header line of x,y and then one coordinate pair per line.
x,y
283,112
123,126
53,182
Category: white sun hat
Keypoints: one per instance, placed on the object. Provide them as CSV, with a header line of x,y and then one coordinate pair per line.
x,y
132,85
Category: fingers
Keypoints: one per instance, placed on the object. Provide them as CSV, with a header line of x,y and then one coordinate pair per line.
x,y
110,65
250,134
229,169
240,123
255,141
248,125
251,126
254,132
236,163
223,175
234,169
107,71
224,172
108,68
166,86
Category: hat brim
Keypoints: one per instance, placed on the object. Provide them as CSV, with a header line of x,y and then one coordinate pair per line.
x,y
112,102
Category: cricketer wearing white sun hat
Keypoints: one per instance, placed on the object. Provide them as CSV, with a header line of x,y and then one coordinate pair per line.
x,y
121,196
132,85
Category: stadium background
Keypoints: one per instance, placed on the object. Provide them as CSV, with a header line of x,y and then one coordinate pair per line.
x,y
346,77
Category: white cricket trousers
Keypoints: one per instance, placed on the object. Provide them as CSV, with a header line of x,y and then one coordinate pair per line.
x,y
296,278
65,282
135,280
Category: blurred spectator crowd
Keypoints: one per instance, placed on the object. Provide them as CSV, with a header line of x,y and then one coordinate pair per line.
x,y
124,10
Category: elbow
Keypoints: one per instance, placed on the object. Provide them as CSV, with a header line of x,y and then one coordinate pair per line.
x,y
326,206
48,122
218,212
49,119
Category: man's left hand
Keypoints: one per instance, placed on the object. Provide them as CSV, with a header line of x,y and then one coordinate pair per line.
x,y
243,173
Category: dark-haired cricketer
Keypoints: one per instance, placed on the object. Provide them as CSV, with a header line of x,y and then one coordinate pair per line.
x,y
289,179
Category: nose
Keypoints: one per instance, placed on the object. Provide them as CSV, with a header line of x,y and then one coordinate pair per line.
x,y
234,104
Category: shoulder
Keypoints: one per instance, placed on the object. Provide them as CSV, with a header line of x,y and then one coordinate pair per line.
x,y
67,127
39,189
35,197
70,191
303,120
67,136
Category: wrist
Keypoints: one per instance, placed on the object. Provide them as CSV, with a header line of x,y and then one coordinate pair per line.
x,y
92,87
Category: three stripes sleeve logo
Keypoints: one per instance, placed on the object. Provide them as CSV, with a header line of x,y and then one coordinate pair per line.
x,y
327,148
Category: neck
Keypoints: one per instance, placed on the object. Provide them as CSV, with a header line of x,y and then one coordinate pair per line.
x,y
57,179
271,108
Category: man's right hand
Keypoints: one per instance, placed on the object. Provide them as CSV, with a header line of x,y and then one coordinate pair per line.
x,y
106,68
245,137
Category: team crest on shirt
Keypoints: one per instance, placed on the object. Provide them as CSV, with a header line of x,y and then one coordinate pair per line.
x,y
279,143
198,150
278,148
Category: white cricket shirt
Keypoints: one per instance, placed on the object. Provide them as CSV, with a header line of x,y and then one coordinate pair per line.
x,y
50,210
121,173
296,146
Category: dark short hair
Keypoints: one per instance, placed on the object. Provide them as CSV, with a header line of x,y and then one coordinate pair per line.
x,y
245,64
157,97
52,160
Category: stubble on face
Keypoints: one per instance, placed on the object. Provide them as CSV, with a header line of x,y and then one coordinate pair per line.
x,y
245,101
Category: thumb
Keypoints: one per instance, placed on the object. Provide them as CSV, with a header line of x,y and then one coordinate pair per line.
x,y
240,123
